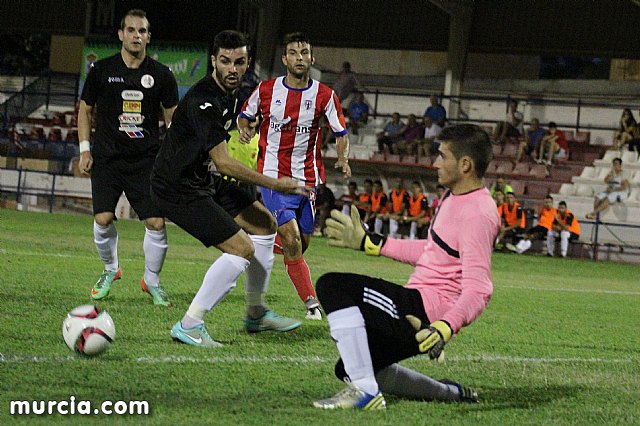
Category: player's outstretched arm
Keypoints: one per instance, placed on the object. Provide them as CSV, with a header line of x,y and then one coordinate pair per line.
x,y
229,166
348,232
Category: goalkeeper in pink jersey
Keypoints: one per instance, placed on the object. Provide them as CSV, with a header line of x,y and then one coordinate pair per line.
x,y
376,323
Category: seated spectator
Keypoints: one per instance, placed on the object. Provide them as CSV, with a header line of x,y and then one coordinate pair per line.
x,y
617,191
391,134
411,136
513,219
37,133
553,145
344,202
501,185
325,202
436,201
531,143
378,207
511,126
626,129
358,113
429,144
565,226
363,203
546,218
436,112
55,135
398,204
418,212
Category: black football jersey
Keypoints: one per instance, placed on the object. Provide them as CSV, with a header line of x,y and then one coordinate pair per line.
x,y
127,103
202,120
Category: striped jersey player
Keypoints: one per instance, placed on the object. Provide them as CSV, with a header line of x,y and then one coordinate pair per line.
x,y
291,109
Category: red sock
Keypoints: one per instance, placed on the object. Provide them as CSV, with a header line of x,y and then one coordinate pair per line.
x,y
300,277
277,246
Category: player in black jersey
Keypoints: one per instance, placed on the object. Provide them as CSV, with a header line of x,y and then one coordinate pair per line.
x,y
127,90
188,187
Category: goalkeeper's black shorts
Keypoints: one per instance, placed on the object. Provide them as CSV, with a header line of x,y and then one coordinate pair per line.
x,y
383,305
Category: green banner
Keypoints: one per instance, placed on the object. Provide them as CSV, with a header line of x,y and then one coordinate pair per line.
x,y
188,63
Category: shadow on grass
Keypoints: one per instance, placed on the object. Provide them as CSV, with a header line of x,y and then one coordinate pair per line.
x,y
522,397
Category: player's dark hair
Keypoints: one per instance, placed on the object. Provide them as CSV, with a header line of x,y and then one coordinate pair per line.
x,y
230,39
353,183
138,13
509,193
368,181
562,203
552,125
296,37
377,182
548,197
618,159
469,140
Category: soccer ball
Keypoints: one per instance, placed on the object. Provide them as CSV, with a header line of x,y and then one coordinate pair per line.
x,y
88,330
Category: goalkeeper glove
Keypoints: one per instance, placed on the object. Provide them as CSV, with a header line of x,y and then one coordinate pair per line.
x,y
348,232
433,338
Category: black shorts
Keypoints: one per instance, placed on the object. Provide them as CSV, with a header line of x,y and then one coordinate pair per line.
x,y
383,306
538,232
209,218
110,178
512,132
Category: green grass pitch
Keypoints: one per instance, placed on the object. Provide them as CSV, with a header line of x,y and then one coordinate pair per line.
x,y
558,344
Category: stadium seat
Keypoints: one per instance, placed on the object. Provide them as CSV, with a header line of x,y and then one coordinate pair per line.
x,y
497,150
424,161
377,156
537,190
504,167
408,159
393,158
629,157
611,154
539,171
582,137
583,190
509,150
567,189
517,186
588,172
521,169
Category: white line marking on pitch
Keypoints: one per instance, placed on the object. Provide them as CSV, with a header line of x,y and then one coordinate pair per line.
x,y
177,359
396,280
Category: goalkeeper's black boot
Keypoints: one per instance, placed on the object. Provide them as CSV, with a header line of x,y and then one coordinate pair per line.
x,y
466,394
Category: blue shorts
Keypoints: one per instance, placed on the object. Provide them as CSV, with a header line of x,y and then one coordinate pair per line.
x,y
287,207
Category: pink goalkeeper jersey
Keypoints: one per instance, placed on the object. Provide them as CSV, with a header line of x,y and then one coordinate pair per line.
x,y
453,266
290,136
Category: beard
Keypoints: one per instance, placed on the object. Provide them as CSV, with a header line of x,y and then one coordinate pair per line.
x,y
297,73
230,86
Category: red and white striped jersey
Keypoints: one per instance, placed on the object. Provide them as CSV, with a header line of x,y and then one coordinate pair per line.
x,y
290,135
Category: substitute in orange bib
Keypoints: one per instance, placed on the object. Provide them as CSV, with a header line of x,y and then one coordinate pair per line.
x,y
545,225
565,226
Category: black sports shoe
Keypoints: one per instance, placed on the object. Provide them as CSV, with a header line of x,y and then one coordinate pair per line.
x,y
466,393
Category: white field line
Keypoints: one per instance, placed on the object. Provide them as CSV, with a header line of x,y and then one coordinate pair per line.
x,y
396,280
275,359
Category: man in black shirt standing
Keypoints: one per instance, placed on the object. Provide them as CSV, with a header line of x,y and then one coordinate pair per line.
x,y
188,186
127,89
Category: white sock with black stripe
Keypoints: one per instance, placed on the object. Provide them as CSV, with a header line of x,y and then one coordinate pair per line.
x,y
348,331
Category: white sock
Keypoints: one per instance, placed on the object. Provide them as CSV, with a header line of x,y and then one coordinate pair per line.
x,y
377,226
551,242
414,231
523,246
219,280
258,273
564,242
155,250
393,228
348,331
106,239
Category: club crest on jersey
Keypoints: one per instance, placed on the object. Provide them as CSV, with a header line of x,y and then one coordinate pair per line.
x,y
308,103
133,131
147,81
132,95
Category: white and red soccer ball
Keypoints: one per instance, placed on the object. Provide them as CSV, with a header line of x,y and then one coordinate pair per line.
x,y
88,330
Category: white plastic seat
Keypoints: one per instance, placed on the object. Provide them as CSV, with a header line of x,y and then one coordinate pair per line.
x,y
567,189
